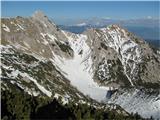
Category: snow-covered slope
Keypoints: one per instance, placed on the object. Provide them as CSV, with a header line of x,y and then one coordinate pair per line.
x,y
126,47
36,51
35,76
144,102
79,69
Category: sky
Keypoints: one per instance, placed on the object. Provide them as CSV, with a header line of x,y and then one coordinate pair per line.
x,y
60,11
64,12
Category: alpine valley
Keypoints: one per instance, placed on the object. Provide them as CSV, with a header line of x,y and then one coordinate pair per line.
x,y
103,73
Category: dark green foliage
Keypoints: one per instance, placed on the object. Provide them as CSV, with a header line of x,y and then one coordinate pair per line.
x,y
152,85
27,58
65,48
53,110
18,105
116,72
140,82
121,77
148,85
57,28
99,48
104,46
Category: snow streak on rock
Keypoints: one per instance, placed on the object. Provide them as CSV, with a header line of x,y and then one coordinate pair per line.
x,y
6,28
127,49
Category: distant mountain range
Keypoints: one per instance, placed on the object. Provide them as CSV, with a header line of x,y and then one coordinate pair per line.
x,y
145,22
150,34
145,28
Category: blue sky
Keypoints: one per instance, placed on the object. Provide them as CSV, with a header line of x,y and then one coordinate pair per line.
x,y
76,10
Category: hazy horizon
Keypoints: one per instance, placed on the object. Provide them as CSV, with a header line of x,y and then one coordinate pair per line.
x,y
63,11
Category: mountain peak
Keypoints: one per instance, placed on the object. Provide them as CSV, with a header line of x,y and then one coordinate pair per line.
x,y
115,26
39,14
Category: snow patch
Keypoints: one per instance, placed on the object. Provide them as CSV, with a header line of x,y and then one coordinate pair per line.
x,y
6,28
44,23
78,70
45,42
136,101
48,93
20,27
15,73
52,37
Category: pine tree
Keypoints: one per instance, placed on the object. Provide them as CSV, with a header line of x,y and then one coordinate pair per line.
x,y
78,115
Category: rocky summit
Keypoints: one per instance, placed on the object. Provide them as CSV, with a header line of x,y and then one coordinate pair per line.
x,y
106,66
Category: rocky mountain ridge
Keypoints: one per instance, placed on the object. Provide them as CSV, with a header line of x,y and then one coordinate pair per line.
x,y
93,62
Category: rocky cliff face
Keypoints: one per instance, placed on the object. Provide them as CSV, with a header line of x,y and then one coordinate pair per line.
x,y
122,58
42,59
